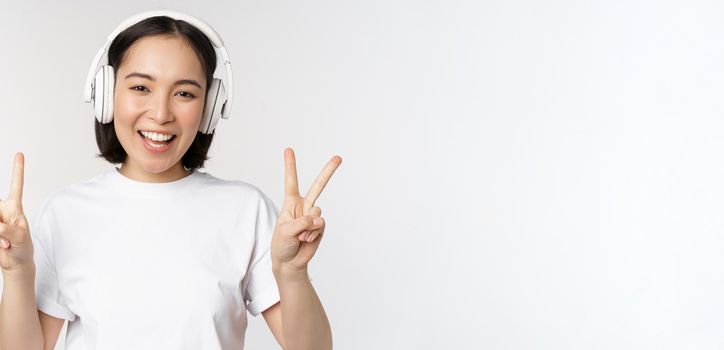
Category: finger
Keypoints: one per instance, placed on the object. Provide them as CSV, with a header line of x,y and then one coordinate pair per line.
x,y
291,186
316,233
314,237
301,224
304,235
313,211
16,187
306,251
321,181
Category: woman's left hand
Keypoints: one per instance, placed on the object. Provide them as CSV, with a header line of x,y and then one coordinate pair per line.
x,y
296,235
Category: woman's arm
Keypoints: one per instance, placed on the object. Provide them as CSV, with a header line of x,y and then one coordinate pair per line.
x,y
300,309
19,321
298,232
51,326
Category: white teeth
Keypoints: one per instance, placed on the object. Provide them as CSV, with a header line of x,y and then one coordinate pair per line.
x,y
156,136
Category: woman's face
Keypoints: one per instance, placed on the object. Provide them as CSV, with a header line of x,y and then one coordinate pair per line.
x,y
159,93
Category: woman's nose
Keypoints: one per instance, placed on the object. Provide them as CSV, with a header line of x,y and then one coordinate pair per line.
x,y
161,111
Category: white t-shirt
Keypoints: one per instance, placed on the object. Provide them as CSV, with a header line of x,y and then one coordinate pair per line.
x,y
136,265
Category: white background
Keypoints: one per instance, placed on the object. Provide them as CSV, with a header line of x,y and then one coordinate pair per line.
x,y
517,174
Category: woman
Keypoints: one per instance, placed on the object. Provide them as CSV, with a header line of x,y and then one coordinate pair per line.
x,y
156,254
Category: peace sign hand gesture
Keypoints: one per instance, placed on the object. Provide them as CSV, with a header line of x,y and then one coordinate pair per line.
x,y
16,247
300,225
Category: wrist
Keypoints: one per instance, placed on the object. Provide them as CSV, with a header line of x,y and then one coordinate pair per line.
x,y
286,273
19,274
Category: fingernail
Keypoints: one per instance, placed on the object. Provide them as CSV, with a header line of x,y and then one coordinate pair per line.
x,y
304,236
310,238
317,221
3,243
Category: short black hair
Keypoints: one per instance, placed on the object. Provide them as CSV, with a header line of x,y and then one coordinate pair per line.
x,y
108,145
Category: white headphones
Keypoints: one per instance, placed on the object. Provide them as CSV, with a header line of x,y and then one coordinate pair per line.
x,y
100,81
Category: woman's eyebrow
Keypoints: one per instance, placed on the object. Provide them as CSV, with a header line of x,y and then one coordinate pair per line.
x,y
178,82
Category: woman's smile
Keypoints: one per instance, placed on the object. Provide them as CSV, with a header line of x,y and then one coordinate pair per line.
x,y
156,142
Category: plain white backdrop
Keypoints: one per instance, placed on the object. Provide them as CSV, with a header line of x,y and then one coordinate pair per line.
x,y
517,174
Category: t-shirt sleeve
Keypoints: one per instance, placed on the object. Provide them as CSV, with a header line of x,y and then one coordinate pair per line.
x,y
261,291
47,291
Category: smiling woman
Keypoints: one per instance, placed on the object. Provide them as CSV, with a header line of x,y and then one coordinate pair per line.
x,y
163,69
157,254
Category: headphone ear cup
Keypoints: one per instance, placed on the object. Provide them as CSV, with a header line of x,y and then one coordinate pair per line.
x,y
103,85
215,100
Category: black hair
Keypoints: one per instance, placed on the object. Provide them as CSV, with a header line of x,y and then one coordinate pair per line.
x,y
108,145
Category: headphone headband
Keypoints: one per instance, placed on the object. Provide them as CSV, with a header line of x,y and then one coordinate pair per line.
x,y
101,57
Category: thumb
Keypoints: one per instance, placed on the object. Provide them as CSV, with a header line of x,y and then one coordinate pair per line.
x,y
301,224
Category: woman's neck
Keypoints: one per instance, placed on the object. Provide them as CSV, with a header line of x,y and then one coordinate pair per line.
x,y
135,172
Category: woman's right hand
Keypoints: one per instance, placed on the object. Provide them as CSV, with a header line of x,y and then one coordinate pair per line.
x,y
16,246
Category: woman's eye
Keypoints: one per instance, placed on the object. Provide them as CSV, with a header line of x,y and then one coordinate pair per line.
x,y
140,88
186,94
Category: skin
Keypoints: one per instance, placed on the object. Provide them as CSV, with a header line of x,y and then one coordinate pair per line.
x,y
19,318
297,235
154,100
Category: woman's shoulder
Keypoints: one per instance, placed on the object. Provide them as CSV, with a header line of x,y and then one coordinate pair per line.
x,y
233,187
70,194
